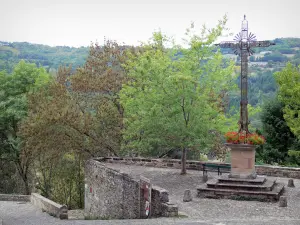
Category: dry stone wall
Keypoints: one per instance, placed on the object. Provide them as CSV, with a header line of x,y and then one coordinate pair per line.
x,y
110,194
107,191
276,171
16,198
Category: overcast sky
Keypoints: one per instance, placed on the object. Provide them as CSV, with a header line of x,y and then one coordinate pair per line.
x,y
80,22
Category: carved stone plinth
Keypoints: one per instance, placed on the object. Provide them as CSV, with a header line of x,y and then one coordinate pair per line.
x,y
260,188
242,183
242,161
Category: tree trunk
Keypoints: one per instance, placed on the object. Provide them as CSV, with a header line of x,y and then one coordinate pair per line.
x,y
183,161
27,189
26,182
23,174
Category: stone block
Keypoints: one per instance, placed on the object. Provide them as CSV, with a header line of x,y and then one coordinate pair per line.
x,y
187,197
205,178
158,196
63,216
169,209
291,183
242,161
164,196
283,201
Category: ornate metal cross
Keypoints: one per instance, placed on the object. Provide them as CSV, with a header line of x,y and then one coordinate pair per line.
x,y
242,46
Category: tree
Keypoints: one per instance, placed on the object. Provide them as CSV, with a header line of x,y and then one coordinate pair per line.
x,y
13,109
96,87
173,100
279,138
289,94
82,113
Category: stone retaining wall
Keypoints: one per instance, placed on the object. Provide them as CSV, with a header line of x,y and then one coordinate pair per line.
x,y
111,194
275,171
53,208
278,171
16,198
160,205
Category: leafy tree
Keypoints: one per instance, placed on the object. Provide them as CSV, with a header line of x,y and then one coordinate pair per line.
x,y
174,100
289,93
279,138
80,111
13,109
96,87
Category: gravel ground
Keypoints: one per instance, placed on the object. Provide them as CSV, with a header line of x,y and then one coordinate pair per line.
x,y
14,213
199,211
215,209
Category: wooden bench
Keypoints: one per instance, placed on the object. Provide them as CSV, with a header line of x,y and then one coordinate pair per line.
x,y
220,168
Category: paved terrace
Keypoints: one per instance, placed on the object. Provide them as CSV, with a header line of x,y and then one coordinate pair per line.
x,y
199,211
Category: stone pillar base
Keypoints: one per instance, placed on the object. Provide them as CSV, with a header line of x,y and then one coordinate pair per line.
x,y
242,161
242,176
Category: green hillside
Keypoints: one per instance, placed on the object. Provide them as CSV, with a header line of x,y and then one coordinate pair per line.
x,y
44,55
262,65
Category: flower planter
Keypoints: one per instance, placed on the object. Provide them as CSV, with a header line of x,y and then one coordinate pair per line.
x,y
242,161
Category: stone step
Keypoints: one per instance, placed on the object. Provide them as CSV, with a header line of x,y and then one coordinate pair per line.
x,y
226,179
266,186
206,192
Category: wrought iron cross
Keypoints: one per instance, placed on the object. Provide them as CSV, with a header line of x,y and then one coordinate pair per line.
x,y
242,46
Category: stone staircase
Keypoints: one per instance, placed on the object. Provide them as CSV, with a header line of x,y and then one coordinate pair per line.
x,y
260,188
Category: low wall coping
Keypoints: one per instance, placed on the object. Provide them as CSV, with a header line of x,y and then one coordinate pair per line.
x,y
278,167
291,172
49,206
160,189
16,198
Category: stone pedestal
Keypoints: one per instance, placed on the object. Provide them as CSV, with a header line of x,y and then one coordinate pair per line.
x,y
242,182
242,161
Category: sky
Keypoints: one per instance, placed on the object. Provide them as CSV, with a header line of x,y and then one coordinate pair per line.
x,y
80,22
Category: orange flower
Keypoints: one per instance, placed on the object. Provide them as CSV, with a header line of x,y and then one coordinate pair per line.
x,y
242,138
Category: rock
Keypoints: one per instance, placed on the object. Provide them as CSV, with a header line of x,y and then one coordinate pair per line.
x,y
164,196
291,183
283,201
169,209
187,197
63,213
63,216
205,178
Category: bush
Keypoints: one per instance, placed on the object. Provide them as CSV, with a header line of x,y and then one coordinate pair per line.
x,y
279,138
294,157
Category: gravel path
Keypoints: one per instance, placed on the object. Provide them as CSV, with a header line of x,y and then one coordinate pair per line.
x,y
215,209
199,211
14,213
